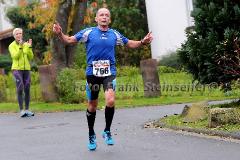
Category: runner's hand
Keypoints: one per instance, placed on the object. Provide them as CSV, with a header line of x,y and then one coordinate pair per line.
x,y
57,29
147,39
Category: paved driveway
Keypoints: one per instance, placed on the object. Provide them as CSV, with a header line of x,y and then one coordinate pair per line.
x,y
63,136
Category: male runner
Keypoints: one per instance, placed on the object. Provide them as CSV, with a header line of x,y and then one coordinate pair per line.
x,y
101,67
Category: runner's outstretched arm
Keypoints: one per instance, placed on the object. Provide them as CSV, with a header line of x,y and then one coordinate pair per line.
x,y
146,40
57,29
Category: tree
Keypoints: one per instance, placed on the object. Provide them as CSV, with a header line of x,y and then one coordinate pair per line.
x,y
130,19
62,54
230,63
70,15
59,48
74,15
32,18
19,18
171,60
211,52
124,13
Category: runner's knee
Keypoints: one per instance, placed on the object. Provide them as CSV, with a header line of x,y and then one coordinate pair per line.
x,y
92,105
110,101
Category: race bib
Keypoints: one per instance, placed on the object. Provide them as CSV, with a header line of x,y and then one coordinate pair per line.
x,y
101,68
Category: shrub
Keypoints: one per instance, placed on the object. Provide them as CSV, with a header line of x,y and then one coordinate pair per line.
x,y
171,60
81,74
3,87
127,71
133,71
165,69
66,84
34,66
10,81
5,62
80,57
211,51
35,90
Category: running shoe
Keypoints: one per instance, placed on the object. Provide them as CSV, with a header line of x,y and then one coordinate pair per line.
x,y
92,145
108,137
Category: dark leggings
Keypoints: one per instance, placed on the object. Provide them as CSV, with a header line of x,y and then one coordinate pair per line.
x,y
23,80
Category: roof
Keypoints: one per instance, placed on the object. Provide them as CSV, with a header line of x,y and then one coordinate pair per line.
x,y
6,34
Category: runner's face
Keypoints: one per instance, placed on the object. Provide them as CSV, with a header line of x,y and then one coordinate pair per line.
x,y
103,17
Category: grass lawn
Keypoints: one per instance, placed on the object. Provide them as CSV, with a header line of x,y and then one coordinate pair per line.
x,y
120,103
177,120
175,88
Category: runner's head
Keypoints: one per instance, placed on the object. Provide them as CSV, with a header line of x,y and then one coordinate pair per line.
x,y
103,17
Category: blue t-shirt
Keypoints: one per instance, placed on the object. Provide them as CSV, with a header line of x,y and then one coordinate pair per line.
x,y
100,45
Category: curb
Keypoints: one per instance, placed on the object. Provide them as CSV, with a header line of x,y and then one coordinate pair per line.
x,y
223,134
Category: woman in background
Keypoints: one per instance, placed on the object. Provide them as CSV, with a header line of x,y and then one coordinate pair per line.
x,y
21,54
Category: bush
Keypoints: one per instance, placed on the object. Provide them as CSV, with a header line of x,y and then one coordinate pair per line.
x,y
165,69
81,74
211,51
80,57
127,71
132,57
66,84
133,71
10,81
171,60
35,90
5,62
34,66
3,88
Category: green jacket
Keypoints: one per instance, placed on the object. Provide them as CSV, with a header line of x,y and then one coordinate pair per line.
x,y
21,56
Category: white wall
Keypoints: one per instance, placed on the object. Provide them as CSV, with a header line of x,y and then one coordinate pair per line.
x,y
167,19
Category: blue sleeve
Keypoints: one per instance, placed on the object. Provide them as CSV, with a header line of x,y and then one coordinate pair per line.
x,y
82,35
121,40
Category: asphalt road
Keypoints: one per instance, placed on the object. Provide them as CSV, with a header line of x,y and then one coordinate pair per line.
x,y
64,136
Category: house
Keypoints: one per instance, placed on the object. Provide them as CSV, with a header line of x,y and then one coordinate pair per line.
x,y
168,19
5,26
5,39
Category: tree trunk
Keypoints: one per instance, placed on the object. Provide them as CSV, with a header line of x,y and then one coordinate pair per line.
x,y
78,19
59,50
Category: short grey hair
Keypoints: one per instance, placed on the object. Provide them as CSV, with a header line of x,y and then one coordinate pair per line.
x,y
103,9
15,30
